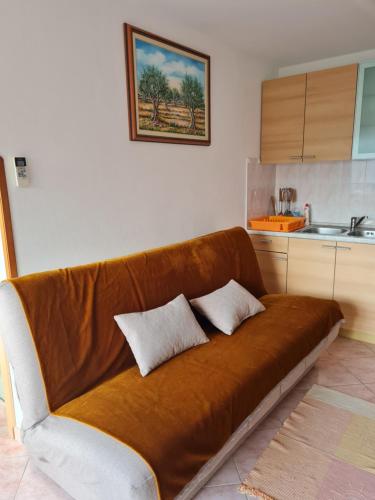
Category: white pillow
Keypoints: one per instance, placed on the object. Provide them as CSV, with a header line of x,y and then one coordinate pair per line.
x,y
228,307
157,335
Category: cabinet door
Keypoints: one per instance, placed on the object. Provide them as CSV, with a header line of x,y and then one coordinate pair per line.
x,y
364,127
329,115
311,267
283,109
273,266
355,285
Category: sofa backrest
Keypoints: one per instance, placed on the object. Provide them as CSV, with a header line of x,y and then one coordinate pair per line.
x,y
70,311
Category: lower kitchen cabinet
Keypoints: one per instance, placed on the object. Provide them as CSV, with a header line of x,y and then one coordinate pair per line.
x,y
325,269
273,266
311,267
354,286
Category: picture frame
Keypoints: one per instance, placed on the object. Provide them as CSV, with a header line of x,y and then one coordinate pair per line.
x,y
168,88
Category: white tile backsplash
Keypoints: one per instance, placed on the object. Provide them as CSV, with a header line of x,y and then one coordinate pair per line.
x,y
260,187
370,172
335,190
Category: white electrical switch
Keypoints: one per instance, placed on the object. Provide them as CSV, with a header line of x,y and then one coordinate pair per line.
x,y
22,177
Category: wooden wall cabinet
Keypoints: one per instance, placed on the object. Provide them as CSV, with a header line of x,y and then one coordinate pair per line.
x,y
283,110
309,117
354,287
311,267
329,114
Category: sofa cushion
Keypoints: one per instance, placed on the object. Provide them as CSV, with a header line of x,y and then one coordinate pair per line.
x,y
228,306
78,343
179,416
159,334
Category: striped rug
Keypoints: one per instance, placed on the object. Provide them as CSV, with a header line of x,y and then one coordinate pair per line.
x,y
325,450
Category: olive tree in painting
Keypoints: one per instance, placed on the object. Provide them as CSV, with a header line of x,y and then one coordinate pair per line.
x,y
175,97
168,98
153,87
192,97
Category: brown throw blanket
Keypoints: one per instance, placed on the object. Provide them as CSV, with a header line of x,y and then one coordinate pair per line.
x,y
181,414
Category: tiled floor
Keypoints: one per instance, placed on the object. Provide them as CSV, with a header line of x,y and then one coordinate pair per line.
x,y
348,366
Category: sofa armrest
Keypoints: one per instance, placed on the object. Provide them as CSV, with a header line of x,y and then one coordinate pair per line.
x,y
87,463
22,356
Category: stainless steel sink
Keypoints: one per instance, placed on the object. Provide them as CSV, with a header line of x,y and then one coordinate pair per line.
x,y
324,230
362,233
339,231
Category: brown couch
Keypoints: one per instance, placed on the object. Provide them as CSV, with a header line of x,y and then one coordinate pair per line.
x,y
165,427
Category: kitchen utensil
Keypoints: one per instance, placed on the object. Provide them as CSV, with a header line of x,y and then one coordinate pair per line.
x,y
274,206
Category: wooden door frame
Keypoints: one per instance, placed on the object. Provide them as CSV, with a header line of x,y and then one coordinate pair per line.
x,y
11,272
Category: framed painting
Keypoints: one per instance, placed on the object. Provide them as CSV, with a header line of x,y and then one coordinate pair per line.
x,y
168,90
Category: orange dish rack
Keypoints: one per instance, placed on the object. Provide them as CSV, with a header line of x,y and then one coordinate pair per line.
x,y
279,223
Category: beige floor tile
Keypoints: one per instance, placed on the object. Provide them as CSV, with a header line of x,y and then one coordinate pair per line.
x,y
344,348
11,471
325,355
37,486
330,374
357,391
10,447
371,387
362,368
226,492
228,474
371,346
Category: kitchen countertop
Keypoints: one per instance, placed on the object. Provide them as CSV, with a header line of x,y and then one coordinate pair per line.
x,y
311,236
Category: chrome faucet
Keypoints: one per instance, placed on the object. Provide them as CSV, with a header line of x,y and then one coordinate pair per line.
x,y
356,221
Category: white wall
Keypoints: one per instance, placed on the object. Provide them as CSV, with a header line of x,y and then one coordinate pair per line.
x,y
331,62
93,193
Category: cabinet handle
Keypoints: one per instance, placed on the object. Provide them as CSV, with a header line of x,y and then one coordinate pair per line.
x,y
309,156
296,157
343,248
328,246
265,241
279,258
